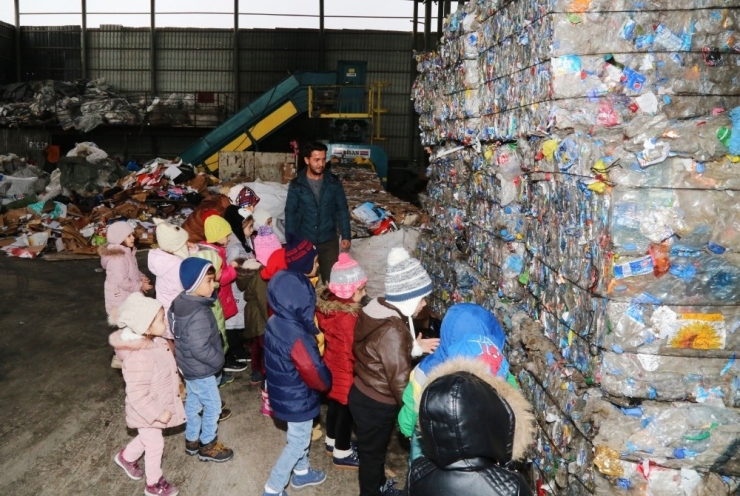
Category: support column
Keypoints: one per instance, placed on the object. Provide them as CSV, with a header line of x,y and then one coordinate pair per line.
x,y
413,129
237,78
448,7
152,48
18,75
440,18
322,54
427,24
83,40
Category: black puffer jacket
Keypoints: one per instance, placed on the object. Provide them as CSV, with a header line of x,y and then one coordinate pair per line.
x,y
473,425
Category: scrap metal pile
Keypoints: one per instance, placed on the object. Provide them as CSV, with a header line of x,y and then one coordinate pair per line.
x,y
584,183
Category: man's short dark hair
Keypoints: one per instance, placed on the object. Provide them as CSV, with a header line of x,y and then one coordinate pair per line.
x,y
314,146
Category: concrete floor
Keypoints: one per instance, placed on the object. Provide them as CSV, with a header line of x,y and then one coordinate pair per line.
x,y
61,405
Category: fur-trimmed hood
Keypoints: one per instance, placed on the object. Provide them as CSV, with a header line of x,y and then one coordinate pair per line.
x,y
467,413
107,252
119,344
327,302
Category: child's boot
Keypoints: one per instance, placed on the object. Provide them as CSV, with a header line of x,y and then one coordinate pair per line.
x,y
161,488
191,447
131,468
214,452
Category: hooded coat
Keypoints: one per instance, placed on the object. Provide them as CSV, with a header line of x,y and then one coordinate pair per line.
x,y
166,267
468,330
337,319
122,276
295,372
473,425
198,346
152,385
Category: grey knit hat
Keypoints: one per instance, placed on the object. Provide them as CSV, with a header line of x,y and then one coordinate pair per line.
x,y
406,281
137,314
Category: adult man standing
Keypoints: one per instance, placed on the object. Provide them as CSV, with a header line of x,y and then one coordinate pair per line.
x,y
317,206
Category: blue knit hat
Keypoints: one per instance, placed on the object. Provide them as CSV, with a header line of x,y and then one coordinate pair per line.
x,y
299,254
192,273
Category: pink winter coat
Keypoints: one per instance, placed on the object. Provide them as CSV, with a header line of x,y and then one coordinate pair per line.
x,y
122,276
166,267
152,384
228,275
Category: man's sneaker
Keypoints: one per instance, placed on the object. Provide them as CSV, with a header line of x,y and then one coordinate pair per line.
x,y
233,365
312,478
241,355
255,378
161,488
225,379
225,414
191,447
131,468
388,488
330,449
351,462
214,452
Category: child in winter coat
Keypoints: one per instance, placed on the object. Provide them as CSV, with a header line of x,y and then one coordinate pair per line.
x,y
337,311
295,376
218,232
239,249
164,262
122,276
468,330
269,252
271,255
473,426
218,312
383,348
152,389
200,357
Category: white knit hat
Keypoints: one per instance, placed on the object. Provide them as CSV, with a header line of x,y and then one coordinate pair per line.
x,y
260,216
406,283
136,315
171,238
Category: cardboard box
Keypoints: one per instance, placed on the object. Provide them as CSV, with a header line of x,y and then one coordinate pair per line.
x,y
287,172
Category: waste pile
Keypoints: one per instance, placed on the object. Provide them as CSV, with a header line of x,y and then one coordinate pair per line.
x,y
65,214
374,210
82,105
583,184
68,211
85,104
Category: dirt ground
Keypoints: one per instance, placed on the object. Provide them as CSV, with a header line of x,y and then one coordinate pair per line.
x,y
61,404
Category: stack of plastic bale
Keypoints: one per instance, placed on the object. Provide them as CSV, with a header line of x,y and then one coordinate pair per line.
x,y
627,188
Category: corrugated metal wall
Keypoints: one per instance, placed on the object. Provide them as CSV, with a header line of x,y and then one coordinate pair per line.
x,y
115,47
51,52
201,60
7,53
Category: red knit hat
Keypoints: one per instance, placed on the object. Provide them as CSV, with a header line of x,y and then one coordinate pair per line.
x,y
299,254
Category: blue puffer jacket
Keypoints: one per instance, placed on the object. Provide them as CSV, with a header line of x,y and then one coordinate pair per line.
x,y
199,352
317,222
295,373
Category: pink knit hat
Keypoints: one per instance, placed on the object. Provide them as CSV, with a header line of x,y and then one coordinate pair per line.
x,y
265,244
346,277
118,232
